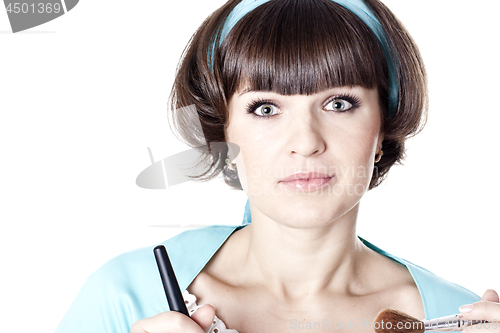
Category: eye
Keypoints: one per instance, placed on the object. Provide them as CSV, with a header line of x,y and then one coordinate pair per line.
x,y
338,105
265,110
262,109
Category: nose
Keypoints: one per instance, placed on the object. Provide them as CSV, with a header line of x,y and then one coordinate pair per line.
x,y
306,135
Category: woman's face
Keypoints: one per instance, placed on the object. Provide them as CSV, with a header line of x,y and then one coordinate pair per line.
x,y
333,134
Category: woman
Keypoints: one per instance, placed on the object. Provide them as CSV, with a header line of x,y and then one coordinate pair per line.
x,y
319,96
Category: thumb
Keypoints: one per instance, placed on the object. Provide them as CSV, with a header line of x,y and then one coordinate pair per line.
x,y
487,308
204,316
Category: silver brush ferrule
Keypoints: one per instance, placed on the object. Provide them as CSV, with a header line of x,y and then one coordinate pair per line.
x,y
449,323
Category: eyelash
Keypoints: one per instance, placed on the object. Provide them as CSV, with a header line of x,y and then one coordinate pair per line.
x,y
253,105
351,99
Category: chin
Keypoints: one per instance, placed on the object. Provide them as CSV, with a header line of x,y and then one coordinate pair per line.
x,y
304,218
315,212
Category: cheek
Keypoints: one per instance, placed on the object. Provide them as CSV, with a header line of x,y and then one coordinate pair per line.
x,y
256,159
355,154
260,171
365,137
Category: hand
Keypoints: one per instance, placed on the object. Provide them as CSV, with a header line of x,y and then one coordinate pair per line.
x,y
488,308
175,322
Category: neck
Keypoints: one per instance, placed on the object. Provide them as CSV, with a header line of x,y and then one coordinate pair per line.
x,y
295,262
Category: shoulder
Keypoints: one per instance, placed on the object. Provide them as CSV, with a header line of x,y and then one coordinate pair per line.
x,y
122,291
440,297
187,250
128,287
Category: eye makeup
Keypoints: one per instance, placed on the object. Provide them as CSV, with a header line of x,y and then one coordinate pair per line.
x,y
354,101
252,106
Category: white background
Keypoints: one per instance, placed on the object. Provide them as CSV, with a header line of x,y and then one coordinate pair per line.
x,y
83,96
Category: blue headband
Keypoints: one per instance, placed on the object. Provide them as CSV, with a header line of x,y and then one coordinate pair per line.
x,y
361,10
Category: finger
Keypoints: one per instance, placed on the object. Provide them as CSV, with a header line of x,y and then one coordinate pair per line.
x,y
204,316
167,322
490,296
481,311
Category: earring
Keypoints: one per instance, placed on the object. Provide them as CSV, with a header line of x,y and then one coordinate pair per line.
x,y
230,169
378,157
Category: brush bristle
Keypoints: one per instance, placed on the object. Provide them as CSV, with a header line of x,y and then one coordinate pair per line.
x,y
394,321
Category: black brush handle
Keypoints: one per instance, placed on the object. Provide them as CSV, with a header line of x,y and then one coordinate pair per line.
x,y
172,290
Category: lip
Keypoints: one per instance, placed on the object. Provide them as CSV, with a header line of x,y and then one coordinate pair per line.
x,y
305,175
306,181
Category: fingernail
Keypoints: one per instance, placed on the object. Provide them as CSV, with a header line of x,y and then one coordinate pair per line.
x,y
466,308
213,306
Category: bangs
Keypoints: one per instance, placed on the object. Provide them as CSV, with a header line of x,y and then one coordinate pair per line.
x,y
301,47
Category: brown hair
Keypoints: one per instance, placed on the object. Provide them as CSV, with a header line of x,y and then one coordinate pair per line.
x,y
297,47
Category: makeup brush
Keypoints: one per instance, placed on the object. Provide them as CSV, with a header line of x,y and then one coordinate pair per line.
x,y
394,321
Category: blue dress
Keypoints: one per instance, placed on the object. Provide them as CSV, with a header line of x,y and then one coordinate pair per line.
x,y
128,287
